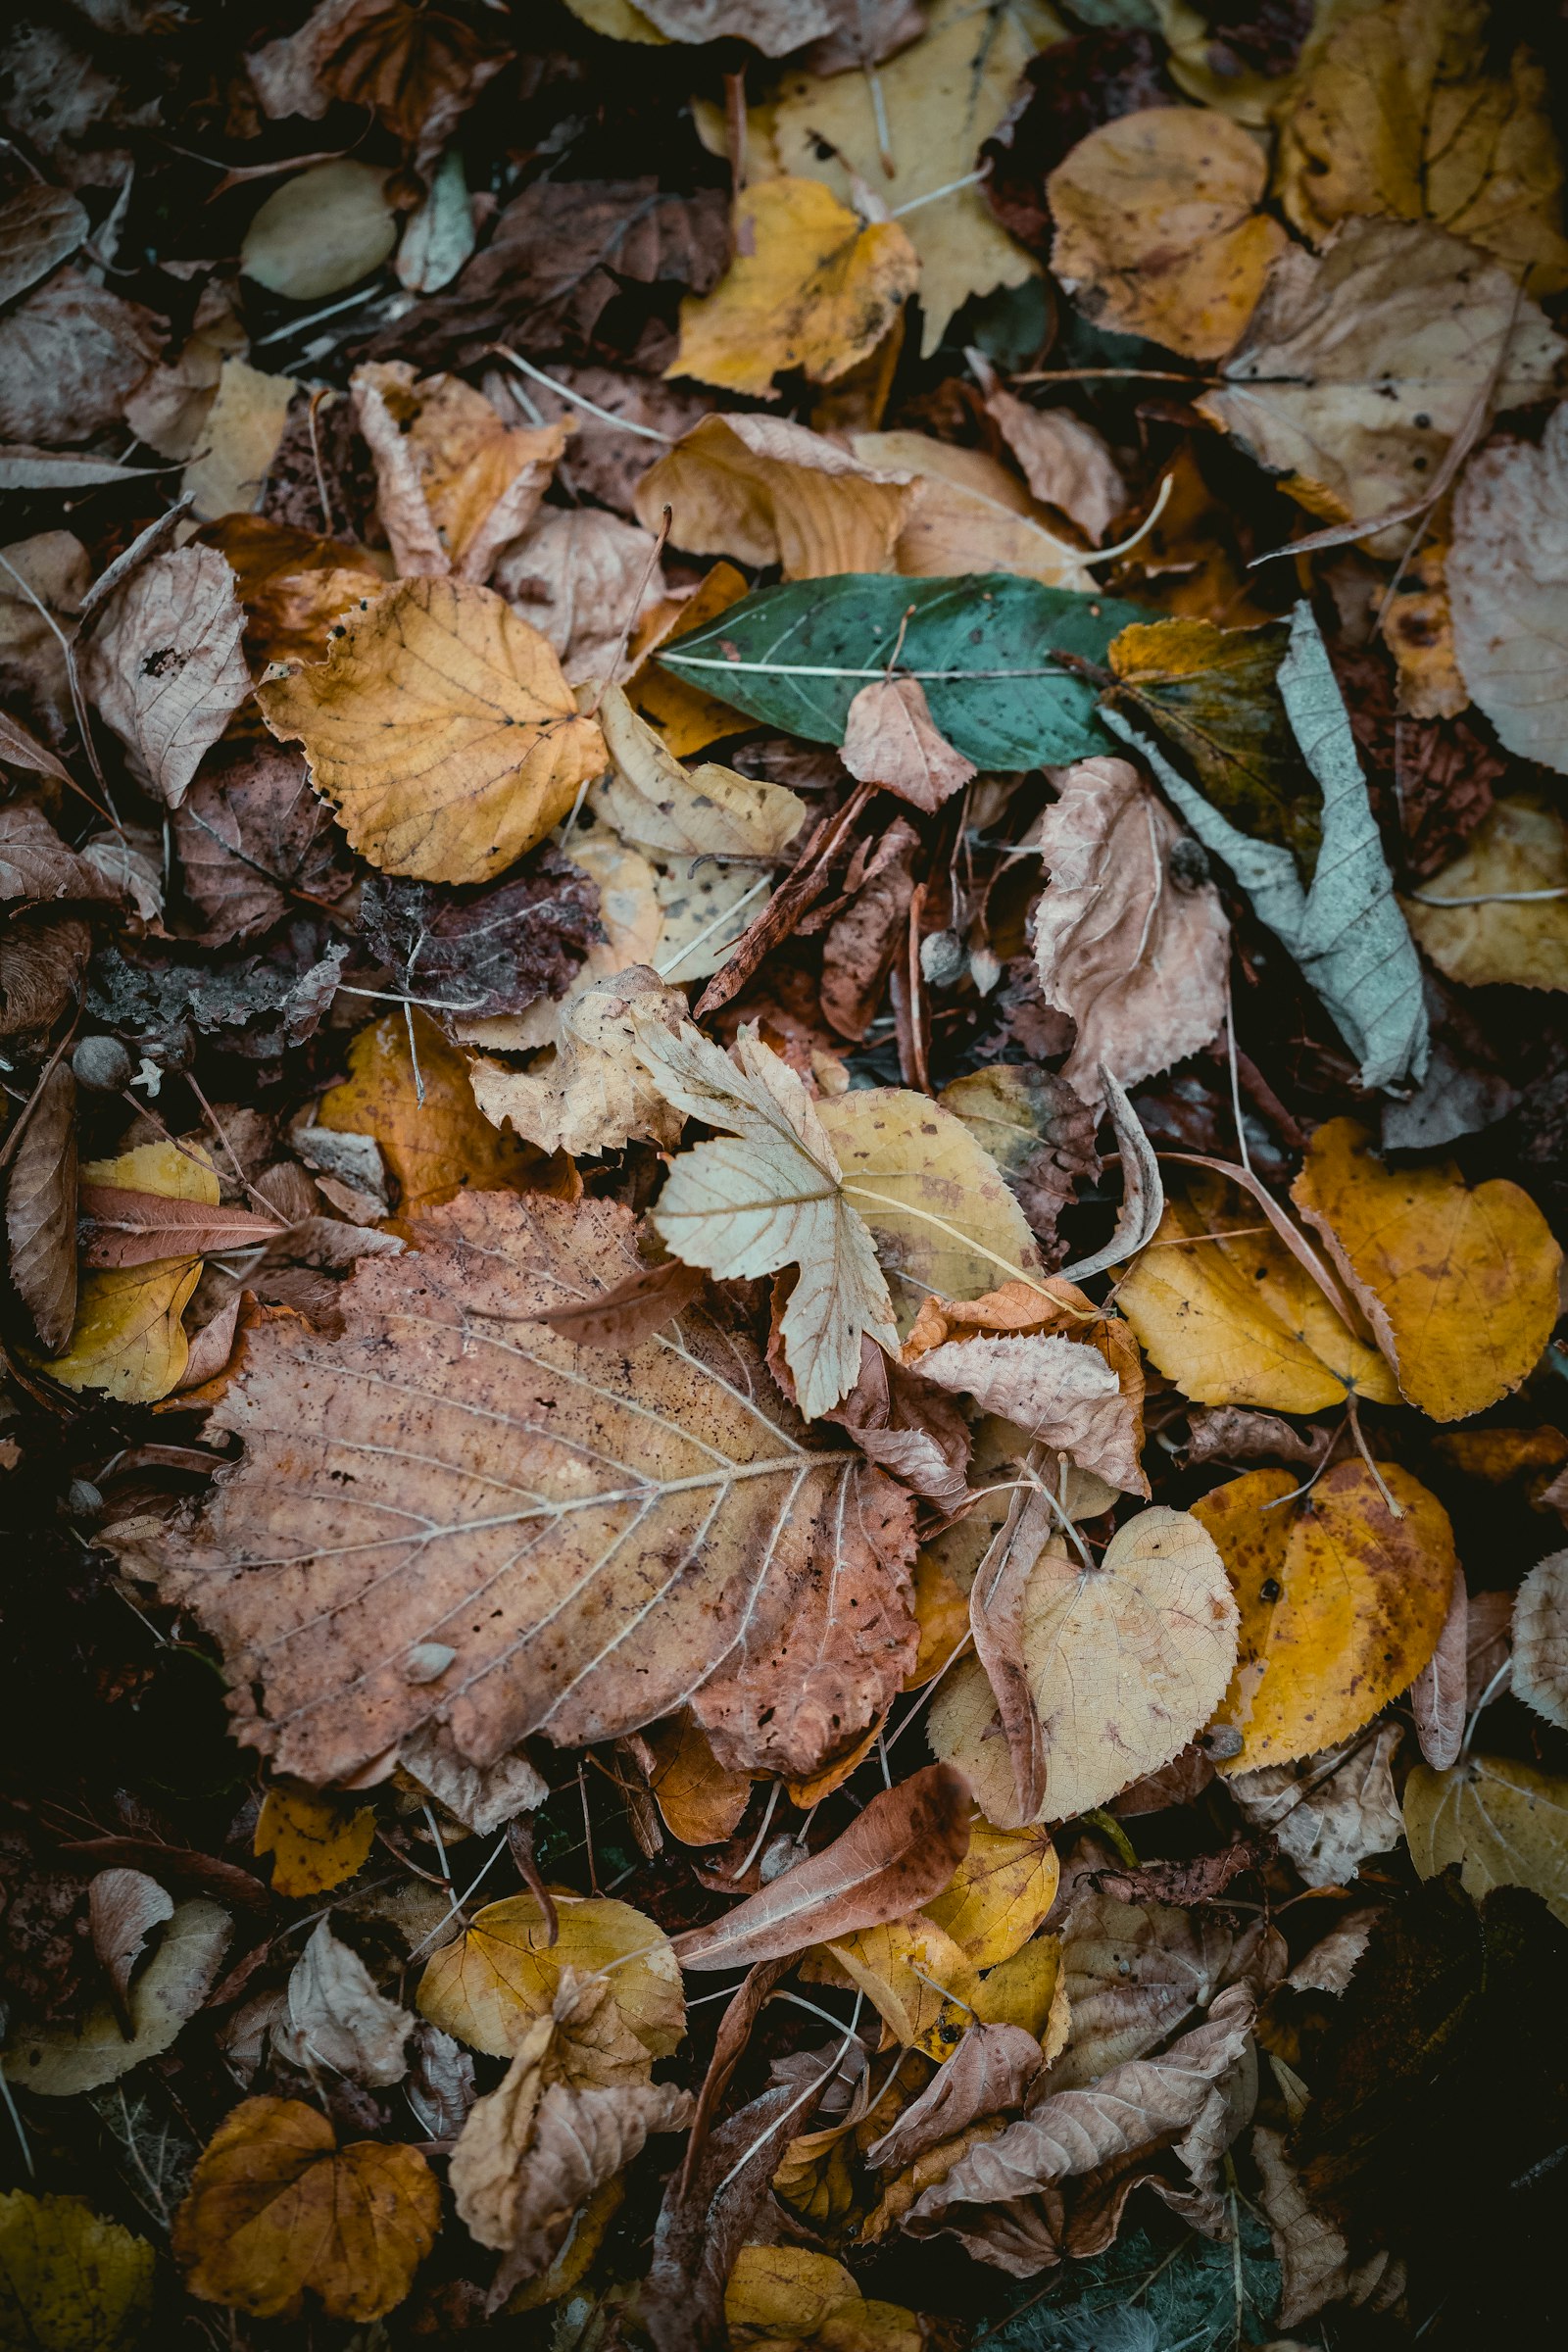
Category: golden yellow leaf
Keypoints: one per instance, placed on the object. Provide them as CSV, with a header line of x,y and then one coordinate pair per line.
x,y
1157,231
1417,110
687,719
1000,1893
764,490
617,21
908,1969
441,728
70,2281
1341,1603
315,1841
1027,1991
1503,1822
1460,1285
127,1338
783,2293
1418,630
1239,1320
276,2208
941,1612
455,483
813,286
972,515
436,1148
1521,844
488,1986
698,1801
915,128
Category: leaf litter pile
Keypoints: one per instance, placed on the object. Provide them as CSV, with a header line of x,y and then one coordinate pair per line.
x,y
785,894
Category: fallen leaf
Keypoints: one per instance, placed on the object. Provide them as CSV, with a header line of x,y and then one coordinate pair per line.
x,y
1439,1698
277,2210
1038,1130
1460,1285
254,841
410,1089
779,2298
915,141
71,354
595,1094
42,1210
1504,1823
796,657
687,719
722,1478
1358,368
999,1894
59,2062
321,231
1333,1813
1519,847
772,1197
1157,227
315,1842
335,2020
73,2281
585,580
764,490
165,666
897,1854
1341,1603
1063,1396
1315,2266
1135,1974
1345,930
1506,600
505,1972
239,440
813,286
123,1906
1140,965
416,70
39,228
915,1976
990,2070
1541,1641
126,1226
1402,112
441,235
454,484
1121,1662
492,749
127,1338
292,583
970,514
862,942
1065,462
495,951
698,1801
1234,1319
891,739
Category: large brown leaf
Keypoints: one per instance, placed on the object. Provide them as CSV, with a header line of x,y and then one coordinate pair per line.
x,y
590,1536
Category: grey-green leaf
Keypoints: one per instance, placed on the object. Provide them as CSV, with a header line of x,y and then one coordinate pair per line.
x,y
1346,931
983,646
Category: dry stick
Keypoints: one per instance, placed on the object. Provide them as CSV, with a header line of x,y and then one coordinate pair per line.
x,y
18,1124
624,424
1490,898
1396,1510
755,1847
324,392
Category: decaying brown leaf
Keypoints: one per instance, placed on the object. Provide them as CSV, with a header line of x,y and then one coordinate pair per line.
x,y
165,666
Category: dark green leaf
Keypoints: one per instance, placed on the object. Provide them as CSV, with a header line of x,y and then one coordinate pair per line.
x,y
982,646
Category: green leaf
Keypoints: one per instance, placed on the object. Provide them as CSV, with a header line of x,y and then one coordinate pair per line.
x,y
1138,2298
982,647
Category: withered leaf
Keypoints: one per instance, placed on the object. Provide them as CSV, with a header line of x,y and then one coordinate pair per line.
x,y
990,2070
39,228
41,1211
488,952
71,357
255,842
166,666
430,1402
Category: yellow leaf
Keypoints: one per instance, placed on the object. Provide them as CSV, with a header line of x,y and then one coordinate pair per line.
x,y
764,490
698,1801
908,1969
617,21
1027,1991
238,440
127,1338
783,2292
315,1842
687,719
1238,1320
1157,231
454,484
434,1148
999,1892
941,1612
1459,1285
276,2208
972,515
1520,845
1402,112
813,286
1341,1603
442,729
1504,1823
70,2281
912,130
489,1985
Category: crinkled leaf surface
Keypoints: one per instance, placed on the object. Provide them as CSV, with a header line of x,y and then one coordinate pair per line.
x,y
1504,1823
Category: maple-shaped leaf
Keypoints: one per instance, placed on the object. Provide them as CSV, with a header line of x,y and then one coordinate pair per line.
x,y
593,1539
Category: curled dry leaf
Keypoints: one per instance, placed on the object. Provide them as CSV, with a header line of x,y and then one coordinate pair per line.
x,y
898,1853
1134,1974
166,667
1438,1696
764,490
990,2070
595,1094
123,1906
1340,1601
127,1338
1065,461
1121,1663
505,1973
585,580
335,2020
42,1210
489,750
813,286
891,739
1157,227
722,1487
455,483
1504,1823
60,2062
1331,1814
1509,605
1460,1285
277,2210
1139,964
1063,1396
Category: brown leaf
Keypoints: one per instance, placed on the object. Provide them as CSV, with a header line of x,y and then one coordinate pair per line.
x,y
1437,1693
39,227
1332,1813
858,950
41,964
1139,963
891,739
632,1310
254,841
20,748
41,1211
766,490
34,863
991,2070
1314,2259
434,1399
898,1853
584,580
1066,1396
123,1906
1065,462
418,69
337,2021
166,668
131,1227
455,483
903,1423
70,355
492,951
1137,1972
